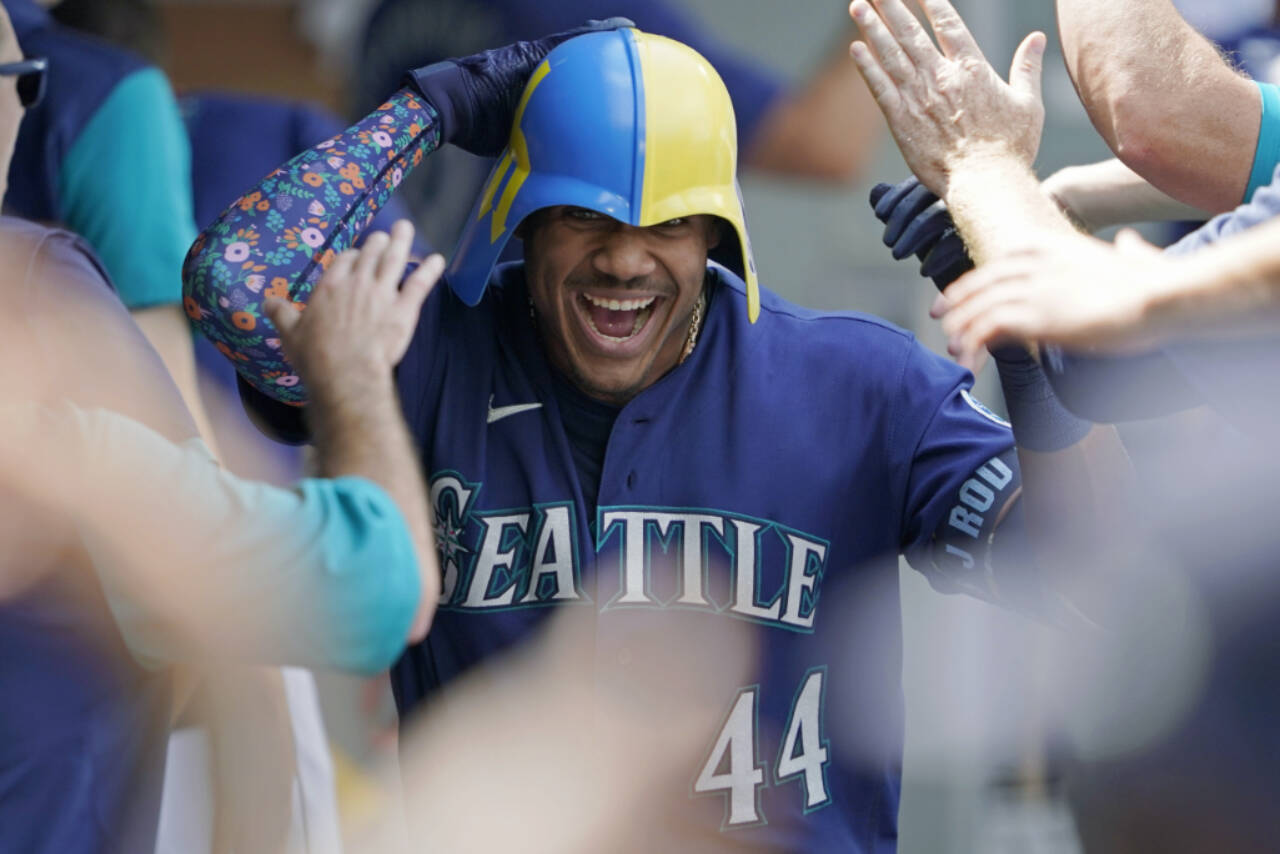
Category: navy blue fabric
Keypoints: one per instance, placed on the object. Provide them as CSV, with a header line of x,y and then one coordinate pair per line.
x,y
587,423
918,223
83,728
839,436
82,73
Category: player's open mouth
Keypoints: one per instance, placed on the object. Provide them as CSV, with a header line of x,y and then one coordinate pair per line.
x,y
616,320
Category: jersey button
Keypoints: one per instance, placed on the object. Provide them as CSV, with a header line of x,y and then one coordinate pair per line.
x,y
631,480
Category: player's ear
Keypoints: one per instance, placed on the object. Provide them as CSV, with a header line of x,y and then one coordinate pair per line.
x,y
715,231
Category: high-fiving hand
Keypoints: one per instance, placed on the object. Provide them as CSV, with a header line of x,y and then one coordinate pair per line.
x,y
946,105
1076,291
360,318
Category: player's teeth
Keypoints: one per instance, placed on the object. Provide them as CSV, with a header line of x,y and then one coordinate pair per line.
x,y
620,304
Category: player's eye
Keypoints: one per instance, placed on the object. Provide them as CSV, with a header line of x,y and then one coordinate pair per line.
x,y
674,223
583,214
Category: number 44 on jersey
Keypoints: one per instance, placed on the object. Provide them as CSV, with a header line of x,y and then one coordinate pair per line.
x,y
734,766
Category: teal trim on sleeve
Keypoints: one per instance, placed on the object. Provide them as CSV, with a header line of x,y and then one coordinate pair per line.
x,y
125,185
1267,155
368,580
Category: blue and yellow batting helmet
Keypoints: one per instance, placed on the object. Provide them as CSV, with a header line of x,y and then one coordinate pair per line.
x,y
632,125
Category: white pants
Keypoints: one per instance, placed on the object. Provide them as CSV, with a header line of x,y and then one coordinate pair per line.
x,y
186,807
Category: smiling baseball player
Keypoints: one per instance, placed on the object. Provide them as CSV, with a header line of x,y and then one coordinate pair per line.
x,y
627,422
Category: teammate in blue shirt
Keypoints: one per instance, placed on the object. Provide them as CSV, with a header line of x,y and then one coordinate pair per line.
x,y
628,422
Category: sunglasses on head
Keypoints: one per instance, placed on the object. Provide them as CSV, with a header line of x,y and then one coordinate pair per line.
x,y
30,74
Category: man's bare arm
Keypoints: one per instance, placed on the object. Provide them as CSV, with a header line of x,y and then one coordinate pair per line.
x,y
1163,98
355,330
1118,298
1098,195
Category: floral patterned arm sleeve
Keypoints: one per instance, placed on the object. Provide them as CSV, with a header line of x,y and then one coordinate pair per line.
x,y
279,238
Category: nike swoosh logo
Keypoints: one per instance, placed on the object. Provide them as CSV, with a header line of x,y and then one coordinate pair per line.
x,y
497,413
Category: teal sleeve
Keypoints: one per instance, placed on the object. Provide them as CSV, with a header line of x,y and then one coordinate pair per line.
x,y
1267,155
125,186
365,574
193,558
322,576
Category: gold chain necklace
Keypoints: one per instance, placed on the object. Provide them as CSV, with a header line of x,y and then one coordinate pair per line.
x,y
695,326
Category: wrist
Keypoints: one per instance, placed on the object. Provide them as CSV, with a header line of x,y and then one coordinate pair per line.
x,y
354,392
437,84
1040,422
983,157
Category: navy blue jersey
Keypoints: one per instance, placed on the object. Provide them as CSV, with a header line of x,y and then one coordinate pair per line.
x,y
83,727
765,480
83,72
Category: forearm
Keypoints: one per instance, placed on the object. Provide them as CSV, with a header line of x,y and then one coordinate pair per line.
x,y
1107,193
1140,69
278,239
1232,286
998,207
360,431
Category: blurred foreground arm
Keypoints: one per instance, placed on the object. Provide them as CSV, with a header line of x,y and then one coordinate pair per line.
x,y
337,573
1163,98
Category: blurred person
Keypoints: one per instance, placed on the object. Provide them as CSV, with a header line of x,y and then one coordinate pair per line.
x,y
574,410
109,129
329,575
1174,733
85,725
1111,194
235,139
824,130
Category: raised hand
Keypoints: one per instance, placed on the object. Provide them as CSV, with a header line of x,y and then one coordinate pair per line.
x,y
360,319
945,105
